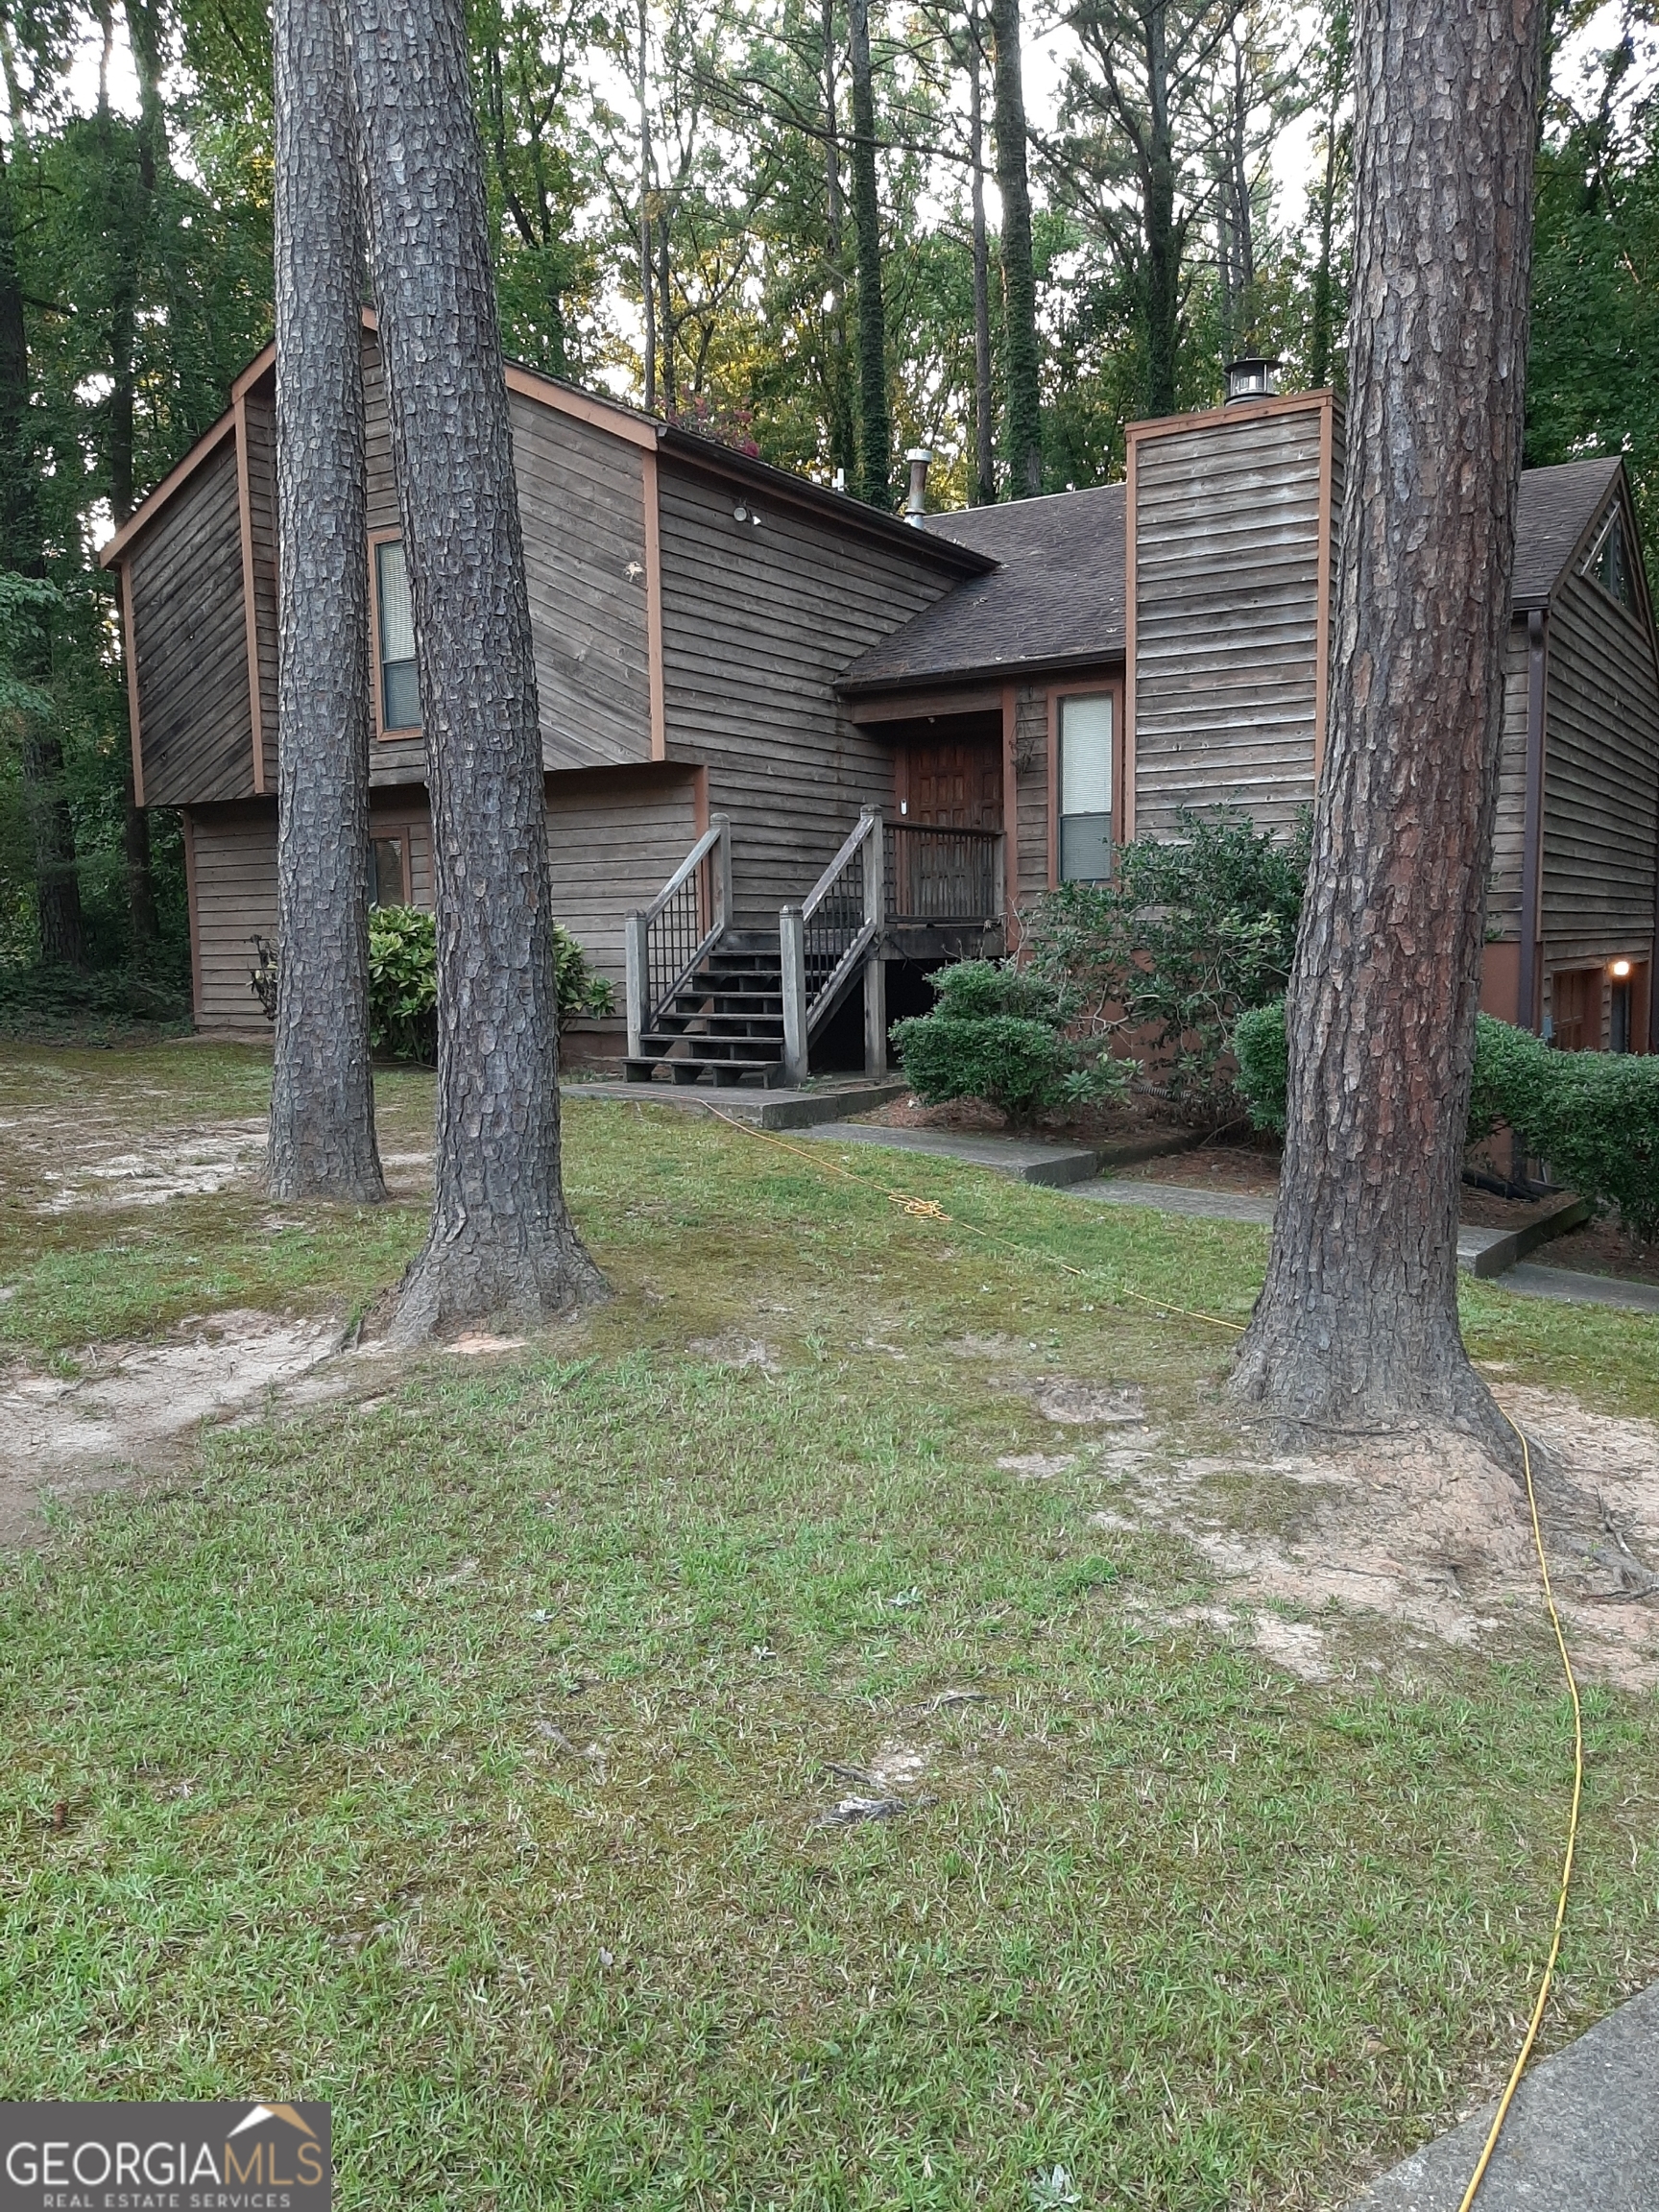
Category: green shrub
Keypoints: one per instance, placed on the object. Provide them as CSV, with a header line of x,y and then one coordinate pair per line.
x,y
1592,1118
1261,1050
999,1032
403,982
1188,935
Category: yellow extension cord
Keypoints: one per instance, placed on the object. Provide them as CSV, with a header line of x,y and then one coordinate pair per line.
x,y
929,1209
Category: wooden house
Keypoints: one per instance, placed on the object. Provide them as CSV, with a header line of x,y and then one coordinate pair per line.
x,y
796,750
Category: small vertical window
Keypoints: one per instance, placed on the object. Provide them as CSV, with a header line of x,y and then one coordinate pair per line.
x,y
1086,788
388,885
399,693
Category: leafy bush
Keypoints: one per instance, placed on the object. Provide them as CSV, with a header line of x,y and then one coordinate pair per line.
x,y
37,999
1592,1116
999,1032
403,982
1187,936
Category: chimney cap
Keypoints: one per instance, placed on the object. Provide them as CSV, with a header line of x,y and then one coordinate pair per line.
x,y
1252,377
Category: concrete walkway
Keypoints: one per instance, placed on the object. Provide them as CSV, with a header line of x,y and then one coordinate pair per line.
x,y
1582,2134
1489,1252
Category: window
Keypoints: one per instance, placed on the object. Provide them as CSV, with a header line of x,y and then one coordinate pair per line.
x,y
399,693
1609,564
1086,788
388,885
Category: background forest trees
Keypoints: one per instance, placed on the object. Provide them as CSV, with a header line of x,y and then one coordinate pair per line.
x,y
731,208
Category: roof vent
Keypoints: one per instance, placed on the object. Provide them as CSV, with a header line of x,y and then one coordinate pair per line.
x,y
920,457
1254,378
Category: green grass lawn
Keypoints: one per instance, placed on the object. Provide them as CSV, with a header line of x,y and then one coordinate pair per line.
x,y
456,1754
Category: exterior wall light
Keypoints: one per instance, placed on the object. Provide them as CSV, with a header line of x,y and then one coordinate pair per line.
x,y
1620,969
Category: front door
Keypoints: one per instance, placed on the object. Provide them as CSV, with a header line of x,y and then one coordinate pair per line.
x,y
951,785
950,795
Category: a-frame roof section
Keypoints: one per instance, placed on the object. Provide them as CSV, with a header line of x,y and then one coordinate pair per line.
x,y
1558,507
619,421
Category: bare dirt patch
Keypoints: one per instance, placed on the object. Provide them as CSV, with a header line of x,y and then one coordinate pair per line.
x,y
188,1162
134,1406
1426,1533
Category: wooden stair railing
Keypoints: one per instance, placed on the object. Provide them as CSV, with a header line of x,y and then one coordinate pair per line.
x,y
824,940
679,930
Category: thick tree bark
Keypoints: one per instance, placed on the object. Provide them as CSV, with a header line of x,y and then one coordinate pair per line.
x,y
321,1097
647,284
1022,404
874,417
1357,1324
983,490
501,1241
63,934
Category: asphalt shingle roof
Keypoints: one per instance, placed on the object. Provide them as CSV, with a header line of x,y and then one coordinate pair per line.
x,y
1058,594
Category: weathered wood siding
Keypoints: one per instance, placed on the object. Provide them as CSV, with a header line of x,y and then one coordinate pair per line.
x,y
1032,792
580,493
1509,827
259,414
580,496
1226,519
612,841
1600,817
233,887
194,717
757,622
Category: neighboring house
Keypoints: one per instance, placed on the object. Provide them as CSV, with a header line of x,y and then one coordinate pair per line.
x,y
758,696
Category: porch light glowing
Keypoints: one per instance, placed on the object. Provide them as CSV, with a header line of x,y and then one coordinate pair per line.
x,y
1620,969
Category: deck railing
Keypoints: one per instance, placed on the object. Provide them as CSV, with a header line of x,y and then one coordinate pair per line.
x,y
940,875
824,939
679,927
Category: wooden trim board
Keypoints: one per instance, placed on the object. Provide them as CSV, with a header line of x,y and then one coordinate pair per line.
x,y
249,606
129,654
1322,585
655,670
1010,804
194,912
1130,481
202,451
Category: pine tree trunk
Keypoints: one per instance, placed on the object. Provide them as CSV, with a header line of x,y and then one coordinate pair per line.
x,y
62,935
501,1241
1022,404
843,433
874,419
1357,1324
984,486
321,1097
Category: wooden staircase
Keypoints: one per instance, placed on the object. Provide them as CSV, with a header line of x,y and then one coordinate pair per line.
x,y
724,1021
709,998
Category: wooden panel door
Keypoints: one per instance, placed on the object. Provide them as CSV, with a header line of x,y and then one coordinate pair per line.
x,y
951,785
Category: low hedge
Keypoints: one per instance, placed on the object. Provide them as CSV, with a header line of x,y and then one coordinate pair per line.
x,y
999,1032
1592,1116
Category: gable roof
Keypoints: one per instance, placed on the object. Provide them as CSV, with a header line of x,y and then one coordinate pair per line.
x,y
619,421
1057,596
1557,506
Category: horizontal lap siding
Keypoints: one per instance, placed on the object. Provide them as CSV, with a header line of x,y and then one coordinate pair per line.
x,y
187,617
613,843
261,417
1227,521
1509,828
581,494
581,499
233,877
1601,779
757,622
1031,792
